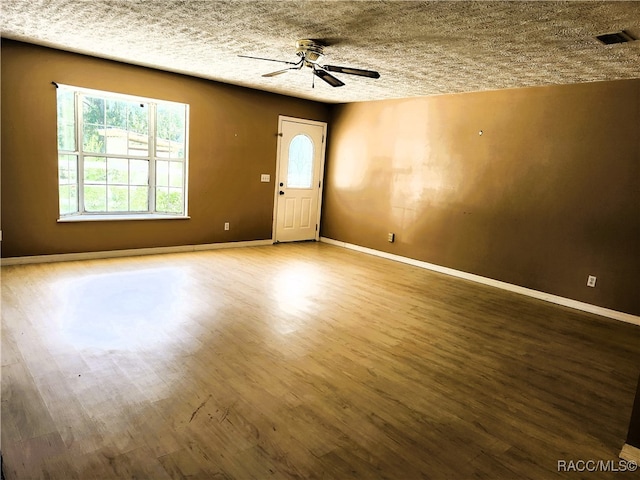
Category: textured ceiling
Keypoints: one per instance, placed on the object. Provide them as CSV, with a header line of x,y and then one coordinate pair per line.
x,y
419,48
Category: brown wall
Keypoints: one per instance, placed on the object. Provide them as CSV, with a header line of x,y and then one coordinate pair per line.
x,y
232,141
546,196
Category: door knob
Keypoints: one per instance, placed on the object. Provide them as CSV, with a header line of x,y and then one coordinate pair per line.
x,y
281,192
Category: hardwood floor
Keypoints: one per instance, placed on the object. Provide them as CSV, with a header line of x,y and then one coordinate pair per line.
x,y
300,361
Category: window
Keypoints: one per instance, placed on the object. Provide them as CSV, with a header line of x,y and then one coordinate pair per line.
x,y
120,156
300,169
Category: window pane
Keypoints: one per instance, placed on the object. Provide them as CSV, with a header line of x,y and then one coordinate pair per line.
x,y
300,166
175,200
67,137
138,128
73,169
169,200
116,141
162,173
170,131
162,199
93,109
117,114
66,120
118,171
95,198
67,178
93,138
73,198
175,174
65,208
138,144
139,199
138,118
95,169
118,199
68,199
162,149
93,118
63,169
127,128
138,172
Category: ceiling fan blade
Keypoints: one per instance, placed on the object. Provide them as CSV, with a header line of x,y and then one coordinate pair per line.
x,y
352,71
278,72
269,60
327,77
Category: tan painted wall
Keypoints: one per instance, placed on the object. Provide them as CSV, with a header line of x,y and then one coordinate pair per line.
x,y
232,141
547,195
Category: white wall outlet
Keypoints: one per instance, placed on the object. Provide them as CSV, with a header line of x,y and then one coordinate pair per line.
x,y
391,237
226,225
265,177
591,281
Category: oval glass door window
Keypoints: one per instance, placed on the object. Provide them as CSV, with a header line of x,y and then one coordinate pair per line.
x,y
300,166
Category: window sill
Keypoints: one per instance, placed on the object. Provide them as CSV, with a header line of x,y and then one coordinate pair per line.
x,y
116,218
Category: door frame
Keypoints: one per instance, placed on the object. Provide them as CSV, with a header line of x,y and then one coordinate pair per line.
x,y
281,119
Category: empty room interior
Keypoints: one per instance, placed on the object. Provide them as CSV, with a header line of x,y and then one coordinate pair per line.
x,y
320,239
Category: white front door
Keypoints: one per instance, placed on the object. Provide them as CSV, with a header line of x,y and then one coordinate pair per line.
x,y
300,166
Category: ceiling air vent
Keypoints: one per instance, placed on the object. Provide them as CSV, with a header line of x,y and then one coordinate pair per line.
x,y
618,37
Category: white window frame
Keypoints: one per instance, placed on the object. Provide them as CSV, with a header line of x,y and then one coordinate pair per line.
x,y
81,214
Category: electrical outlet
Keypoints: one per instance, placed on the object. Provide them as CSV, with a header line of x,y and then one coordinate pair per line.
x,y
591,281
226,225
391,237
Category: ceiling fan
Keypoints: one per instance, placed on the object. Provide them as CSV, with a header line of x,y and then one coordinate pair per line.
x,y
311,53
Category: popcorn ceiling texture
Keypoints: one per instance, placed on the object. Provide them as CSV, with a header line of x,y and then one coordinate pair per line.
x,y
419,48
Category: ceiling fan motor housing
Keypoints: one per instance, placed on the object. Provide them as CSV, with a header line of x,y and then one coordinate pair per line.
x,y
309,50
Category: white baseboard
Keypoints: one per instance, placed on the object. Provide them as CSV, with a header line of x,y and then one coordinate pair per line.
x,y
68,257
630,453
567,302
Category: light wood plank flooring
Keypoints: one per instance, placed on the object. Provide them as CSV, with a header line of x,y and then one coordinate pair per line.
x,y
300,361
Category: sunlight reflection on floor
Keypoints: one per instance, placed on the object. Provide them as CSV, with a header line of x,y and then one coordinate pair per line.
x,y
123,310
293,288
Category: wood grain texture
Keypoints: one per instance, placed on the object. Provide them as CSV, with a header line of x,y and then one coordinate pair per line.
x,y
300,361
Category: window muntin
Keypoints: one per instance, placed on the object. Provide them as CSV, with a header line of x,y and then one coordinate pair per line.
x,y
120,155
300,165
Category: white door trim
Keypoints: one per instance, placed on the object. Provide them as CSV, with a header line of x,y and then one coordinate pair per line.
x,y
283,118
